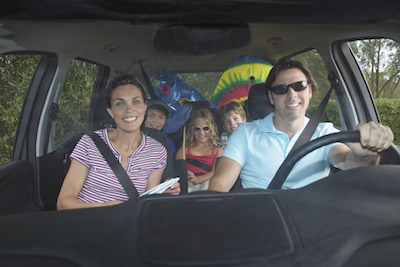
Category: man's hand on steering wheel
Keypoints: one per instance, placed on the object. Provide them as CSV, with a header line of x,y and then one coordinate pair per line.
x,y
375,138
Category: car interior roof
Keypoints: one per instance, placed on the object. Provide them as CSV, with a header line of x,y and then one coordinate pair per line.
x,y
114,43
276,29
204,11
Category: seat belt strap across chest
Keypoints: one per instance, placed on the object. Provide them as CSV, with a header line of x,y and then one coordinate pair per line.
x,y
316,117
108,155
308,131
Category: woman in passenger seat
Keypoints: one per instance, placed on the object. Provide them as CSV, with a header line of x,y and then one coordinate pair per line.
x,y
90,182
202,149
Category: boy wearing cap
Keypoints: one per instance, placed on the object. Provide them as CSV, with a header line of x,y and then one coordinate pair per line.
x,y
157,116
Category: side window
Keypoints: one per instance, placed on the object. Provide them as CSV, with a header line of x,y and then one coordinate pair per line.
x,y
75,97
16,71
379,60
315,64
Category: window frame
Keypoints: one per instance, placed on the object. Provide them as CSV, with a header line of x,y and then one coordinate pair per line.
x,y
27,130
355,83
46,142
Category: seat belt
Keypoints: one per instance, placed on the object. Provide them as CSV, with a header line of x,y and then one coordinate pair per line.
x,y
108,155
150,88
315,118
309,130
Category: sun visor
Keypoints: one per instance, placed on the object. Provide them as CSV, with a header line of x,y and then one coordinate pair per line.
x,y
201,39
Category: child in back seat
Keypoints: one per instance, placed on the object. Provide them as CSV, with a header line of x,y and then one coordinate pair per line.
x,y
201,150
157,116
231,115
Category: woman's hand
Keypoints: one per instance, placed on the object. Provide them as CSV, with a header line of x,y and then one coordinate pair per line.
x,y
174,189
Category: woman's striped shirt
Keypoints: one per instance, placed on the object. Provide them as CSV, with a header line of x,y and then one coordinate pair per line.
x,y
101,184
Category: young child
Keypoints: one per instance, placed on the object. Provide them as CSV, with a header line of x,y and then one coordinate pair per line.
x,y
157,117
231,115
201,150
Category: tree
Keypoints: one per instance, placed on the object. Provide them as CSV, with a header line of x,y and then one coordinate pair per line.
x,y
205,82
15,75
75,97
379,59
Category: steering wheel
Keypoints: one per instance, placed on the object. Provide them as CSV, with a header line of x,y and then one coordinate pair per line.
x,y
392,154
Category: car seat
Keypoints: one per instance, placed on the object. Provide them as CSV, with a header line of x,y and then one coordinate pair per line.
x,y
256,107
169,171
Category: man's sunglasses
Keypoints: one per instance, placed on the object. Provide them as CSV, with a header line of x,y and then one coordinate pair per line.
x,y
284,88
198,128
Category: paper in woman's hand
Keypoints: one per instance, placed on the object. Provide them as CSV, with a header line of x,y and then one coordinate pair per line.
x,y
159,189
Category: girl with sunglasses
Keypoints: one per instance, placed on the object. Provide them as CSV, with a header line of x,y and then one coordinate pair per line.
x,y
203,147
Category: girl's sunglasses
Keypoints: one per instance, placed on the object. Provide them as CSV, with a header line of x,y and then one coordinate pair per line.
x,y
198,128
284,88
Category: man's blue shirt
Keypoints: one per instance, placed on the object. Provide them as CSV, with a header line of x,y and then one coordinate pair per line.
x,y
260,149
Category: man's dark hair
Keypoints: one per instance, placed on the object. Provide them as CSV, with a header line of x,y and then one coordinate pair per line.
x,y
287,65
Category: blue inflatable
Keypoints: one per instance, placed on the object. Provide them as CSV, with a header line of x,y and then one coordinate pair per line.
x,y
178,119
174,91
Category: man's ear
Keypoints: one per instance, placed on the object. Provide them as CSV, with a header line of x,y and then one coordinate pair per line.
x,y
270,97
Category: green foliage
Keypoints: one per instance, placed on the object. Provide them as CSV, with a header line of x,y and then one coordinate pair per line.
x,y
380,62
16,72
205,82
75,97
331,113
389,111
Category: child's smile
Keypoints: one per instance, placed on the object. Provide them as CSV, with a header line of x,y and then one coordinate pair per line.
x,y
202,135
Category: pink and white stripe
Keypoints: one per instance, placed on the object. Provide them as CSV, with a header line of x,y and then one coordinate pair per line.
x,y
101,184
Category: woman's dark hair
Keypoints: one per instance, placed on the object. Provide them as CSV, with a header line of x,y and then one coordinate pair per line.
x,y
287,65
124,79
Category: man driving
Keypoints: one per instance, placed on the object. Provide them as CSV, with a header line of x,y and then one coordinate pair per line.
x,y
256,149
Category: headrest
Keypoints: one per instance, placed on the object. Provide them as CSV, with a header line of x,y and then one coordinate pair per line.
x,y
256,106
197,105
